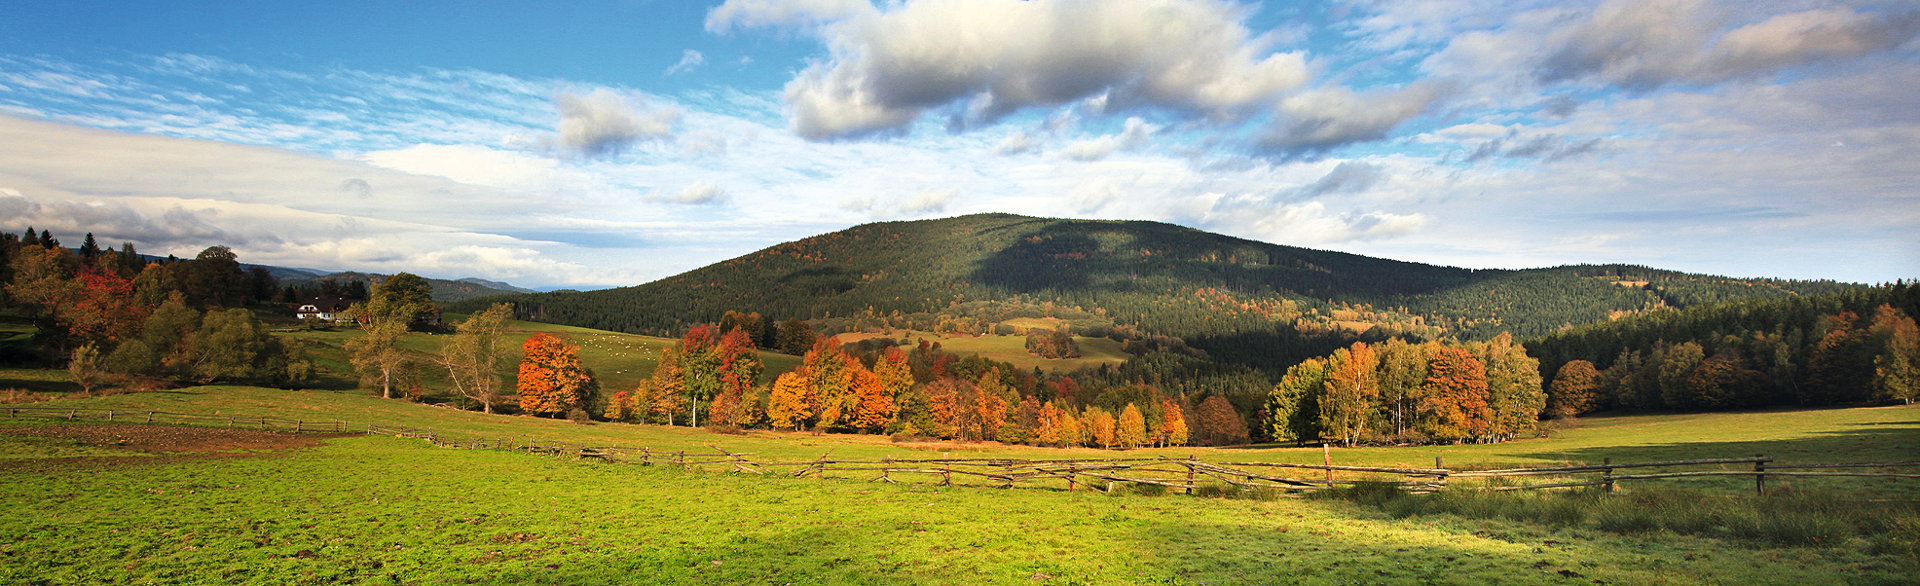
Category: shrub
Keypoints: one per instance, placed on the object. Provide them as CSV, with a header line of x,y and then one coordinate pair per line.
x,y
578,415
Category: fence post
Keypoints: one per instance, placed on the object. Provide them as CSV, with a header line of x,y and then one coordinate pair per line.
x,y
1073,471
1189,474
1326,453
71,414
1759,474
297,424
1606,475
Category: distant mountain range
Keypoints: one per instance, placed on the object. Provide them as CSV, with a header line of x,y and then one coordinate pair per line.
x,y
1215,291
444,291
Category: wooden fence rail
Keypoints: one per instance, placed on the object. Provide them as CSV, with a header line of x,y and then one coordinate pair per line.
x,y
1102,474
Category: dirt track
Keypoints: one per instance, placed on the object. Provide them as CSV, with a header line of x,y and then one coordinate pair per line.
x,y
170,443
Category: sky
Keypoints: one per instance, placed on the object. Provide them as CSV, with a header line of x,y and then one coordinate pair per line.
x,y
589,143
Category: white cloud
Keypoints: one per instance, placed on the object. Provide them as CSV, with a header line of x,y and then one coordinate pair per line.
x,y
784,14
1135,133
1193,57
1322,120
689,60
1644,44
602,122
1016,143
695,194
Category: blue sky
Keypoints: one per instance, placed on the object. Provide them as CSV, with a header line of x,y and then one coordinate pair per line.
x,y
595,144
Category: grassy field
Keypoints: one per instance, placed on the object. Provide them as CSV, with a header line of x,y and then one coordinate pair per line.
x,y
1011,349
395,510
398,510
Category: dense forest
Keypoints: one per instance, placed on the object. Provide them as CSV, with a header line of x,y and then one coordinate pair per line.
x,y
1857,346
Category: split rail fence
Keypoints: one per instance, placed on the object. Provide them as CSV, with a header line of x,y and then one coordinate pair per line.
x,y
1100,474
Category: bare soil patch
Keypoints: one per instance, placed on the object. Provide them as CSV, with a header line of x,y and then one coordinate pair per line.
x,y
160,443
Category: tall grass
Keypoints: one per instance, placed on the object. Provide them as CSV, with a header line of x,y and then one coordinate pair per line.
x,y
1786,516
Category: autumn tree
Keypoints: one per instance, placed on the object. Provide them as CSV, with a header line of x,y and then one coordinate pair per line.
x,y
1293,407
476,355
874,400
1403,370
1896,362
793,336
1453,404
699,368
552,380
991,399
1513,386
665,391
788,405
1573,389
825,368
1218,423
739,367
1348,402
1173,424
1100,426
1130,429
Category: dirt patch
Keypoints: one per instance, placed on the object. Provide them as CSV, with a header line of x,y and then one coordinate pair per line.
x,y
168,443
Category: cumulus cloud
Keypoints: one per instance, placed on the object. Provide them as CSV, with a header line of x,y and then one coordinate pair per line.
x,y
602,122
1645,44
1315,122
1347,177
782,14
689,60
1308,223
1016,143
696,194
1093,149
994,57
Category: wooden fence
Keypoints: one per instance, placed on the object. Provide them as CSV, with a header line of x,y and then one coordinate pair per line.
x,y
1101,474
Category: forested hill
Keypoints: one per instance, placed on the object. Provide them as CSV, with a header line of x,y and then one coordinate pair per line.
x,y
1160,278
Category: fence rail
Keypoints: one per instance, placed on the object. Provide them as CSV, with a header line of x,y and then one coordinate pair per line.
x,y
1102,474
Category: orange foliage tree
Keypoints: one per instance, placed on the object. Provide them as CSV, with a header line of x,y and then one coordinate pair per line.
x,y
552,380
1454,398
1173,424
1130,430
788,404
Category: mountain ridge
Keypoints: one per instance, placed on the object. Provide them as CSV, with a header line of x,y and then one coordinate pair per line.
x,y
1157,278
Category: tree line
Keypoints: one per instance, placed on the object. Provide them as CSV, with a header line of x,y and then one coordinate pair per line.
x,y
1402,392
108,313
1846,348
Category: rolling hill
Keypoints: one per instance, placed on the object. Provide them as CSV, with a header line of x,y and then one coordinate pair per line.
x,y
1242,300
